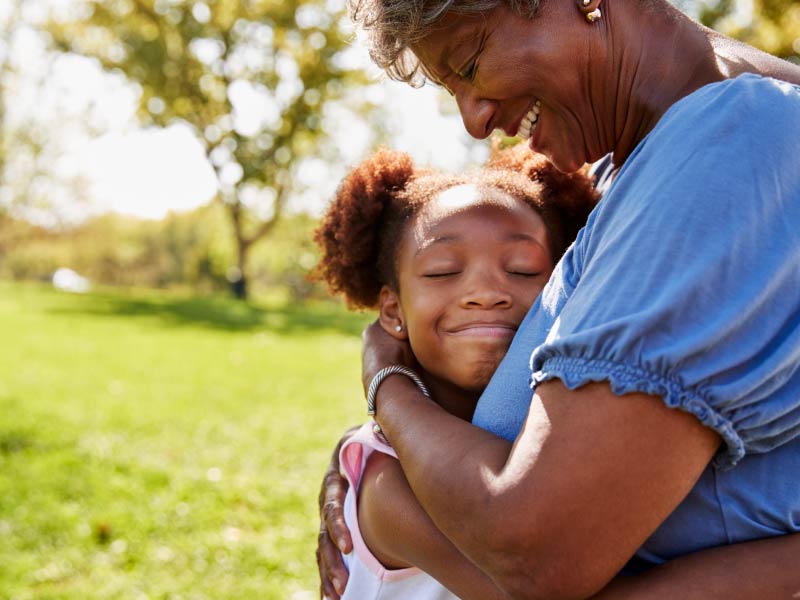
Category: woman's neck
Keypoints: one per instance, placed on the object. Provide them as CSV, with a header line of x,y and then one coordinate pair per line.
x,y
657,56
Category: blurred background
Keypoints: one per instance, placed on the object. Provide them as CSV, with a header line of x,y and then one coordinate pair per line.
x,y
171,382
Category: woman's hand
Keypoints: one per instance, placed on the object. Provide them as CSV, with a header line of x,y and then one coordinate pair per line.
x,y
334,536
379,350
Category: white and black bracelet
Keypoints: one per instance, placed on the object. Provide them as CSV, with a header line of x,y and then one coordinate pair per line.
x,y
383,374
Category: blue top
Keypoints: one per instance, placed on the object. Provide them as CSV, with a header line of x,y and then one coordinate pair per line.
x,y
685,284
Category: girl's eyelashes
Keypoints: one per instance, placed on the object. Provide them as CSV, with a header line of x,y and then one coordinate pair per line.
x,y
440,274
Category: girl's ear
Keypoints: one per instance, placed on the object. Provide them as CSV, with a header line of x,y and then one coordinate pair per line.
x,y
391,314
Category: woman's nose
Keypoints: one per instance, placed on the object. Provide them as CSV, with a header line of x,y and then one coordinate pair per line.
x,y
477,113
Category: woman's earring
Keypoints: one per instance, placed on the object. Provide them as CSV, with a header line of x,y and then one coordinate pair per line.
x,y
398,328
590,9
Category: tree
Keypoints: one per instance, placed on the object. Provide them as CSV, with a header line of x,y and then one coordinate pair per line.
x,y
253,79
37,181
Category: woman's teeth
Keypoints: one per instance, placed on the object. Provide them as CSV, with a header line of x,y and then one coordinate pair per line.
x,y
529,121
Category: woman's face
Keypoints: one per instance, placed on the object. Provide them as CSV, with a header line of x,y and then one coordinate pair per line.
x,y
470,265
501,66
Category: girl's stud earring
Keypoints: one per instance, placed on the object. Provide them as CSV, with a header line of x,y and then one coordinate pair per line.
x,y
587,2
398,328
594,15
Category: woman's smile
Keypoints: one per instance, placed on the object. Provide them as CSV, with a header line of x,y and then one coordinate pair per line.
x,y
528,122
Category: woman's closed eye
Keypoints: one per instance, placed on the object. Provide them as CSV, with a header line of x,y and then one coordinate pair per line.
x,y
469,71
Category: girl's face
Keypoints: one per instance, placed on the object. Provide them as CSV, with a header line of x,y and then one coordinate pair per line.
x,y
470,265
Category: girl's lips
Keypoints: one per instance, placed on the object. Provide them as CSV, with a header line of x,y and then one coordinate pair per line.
x,y
493,330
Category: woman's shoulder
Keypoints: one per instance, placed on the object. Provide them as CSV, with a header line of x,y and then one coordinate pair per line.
x,y
735,108
748,89
739,128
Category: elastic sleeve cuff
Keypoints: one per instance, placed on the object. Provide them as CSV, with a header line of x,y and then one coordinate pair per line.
x,y
625,379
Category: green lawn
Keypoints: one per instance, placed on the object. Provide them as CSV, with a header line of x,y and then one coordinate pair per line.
x,y
157,446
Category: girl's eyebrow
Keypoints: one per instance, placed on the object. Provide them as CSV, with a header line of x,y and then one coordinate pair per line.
x,y
444,239
438,240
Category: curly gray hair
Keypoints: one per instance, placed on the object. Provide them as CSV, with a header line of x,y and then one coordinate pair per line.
x,y
393,26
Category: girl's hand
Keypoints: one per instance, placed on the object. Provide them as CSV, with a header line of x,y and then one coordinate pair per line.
x,y
381,350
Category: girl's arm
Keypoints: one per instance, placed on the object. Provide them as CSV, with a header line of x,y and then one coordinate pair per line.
x,y
400,534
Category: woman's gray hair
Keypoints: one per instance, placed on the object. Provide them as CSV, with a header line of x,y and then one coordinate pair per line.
x,y
392,26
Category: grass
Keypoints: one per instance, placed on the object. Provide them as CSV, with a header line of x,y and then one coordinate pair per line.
x,y
154,446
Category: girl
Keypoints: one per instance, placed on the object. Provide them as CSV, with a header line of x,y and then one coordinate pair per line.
x,y
452,263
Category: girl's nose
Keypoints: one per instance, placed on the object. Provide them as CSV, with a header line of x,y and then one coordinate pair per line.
x,y
485,291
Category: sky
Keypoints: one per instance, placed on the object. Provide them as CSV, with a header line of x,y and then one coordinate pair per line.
x,y
124,168
179,176
110,163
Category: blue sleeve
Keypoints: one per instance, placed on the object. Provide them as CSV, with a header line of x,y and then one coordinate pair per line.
x,y
687,281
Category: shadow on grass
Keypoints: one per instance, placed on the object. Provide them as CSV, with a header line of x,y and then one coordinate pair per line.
x,y
222,313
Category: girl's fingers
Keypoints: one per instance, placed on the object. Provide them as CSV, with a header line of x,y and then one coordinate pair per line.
x,y
332,572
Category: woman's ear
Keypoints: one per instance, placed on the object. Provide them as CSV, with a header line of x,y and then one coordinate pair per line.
x,y
391,314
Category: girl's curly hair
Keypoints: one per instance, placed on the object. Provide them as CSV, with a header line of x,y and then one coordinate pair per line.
x,y
360,232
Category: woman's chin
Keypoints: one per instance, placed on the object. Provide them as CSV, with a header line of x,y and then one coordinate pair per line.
x,y
562,160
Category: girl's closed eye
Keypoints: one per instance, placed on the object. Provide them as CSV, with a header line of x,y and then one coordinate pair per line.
x,y
439,272
524,266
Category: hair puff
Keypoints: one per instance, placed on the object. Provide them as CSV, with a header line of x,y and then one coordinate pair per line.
x,y
565,199
352,233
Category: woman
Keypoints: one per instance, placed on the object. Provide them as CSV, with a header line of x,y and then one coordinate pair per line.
x,y
681,293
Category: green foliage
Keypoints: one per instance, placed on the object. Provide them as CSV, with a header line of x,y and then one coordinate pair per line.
x,y
161,446
192,59
774,27
185,250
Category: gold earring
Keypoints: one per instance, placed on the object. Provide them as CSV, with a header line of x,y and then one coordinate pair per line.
x,y
591,14
594,15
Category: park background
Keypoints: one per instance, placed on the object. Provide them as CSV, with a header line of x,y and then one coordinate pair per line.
x,y
171,381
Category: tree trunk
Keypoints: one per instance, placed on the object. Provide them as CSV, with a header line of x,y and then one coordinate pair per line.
x,y
239,285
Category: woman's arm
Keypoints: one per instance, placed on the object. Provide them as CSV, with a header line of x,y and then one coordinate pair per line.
x,y
760,569
589,478
400,534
